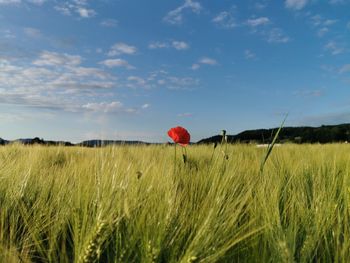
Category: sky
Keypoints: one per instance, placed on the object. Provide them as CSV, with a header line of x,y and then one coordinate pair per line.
x,y
131,69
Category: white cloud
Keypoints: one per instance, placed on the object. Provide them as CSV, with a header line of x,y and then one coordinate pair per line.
x,y
334,48
322,31
321,24
180,45
162,79
85,12
225,19
109,23
345,69
7,34
121,48
330,22
260,5
204,61
178,83
175,17
32,32
9,2
276,35
79,7
16,2
195,66
37,2
48,58
157,45
139,81
111,63
62,87
208,61
258,21
63,10
145,106
186,114
105,107
248,54
296,4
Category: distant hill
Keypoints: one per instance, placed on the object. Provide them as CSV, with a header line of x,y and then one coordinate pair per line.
x,y
322,134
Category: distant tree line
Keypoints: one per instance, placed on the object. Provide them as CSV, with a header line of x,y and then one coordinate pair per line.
x,y
323,134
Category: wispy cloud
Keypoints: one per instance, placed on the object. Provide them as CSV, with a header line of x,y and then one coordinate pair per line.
x,y
105,107
79,7
264,27
137,80
175,17
345,68
145,106
48,58
204,61
225,19
248,54
260,5
37,2
113,63
161,79
85,12
121,48
184,115
208,61
52,81
276,35
337,2
10,2
295,4
254,22
321,24
178,83
32,32
195,66
309,93
334,48
109,22
178,45
158,45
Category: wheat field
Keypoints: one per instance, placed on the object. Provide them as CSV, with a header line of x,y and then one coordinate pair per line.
x,y
140,204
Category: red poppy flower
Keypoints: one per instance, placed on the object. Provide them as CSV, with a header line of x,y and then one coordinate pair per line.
x,y
179,135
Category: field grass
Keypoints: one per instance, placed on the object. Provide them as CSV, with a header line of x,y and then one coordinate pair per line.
x,y
135,204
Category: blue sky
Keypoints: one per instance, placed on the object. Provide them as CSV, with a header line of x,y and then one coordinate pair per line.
x,y
127,69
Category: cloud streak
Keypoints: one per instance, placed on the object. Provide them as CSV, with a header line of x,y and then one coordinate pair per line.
x,y
175,17
295,4
122,48
113,63
178,45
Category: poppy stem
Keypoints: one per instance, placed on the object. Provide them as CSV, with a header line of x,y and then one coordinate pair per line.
x,y
175,159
